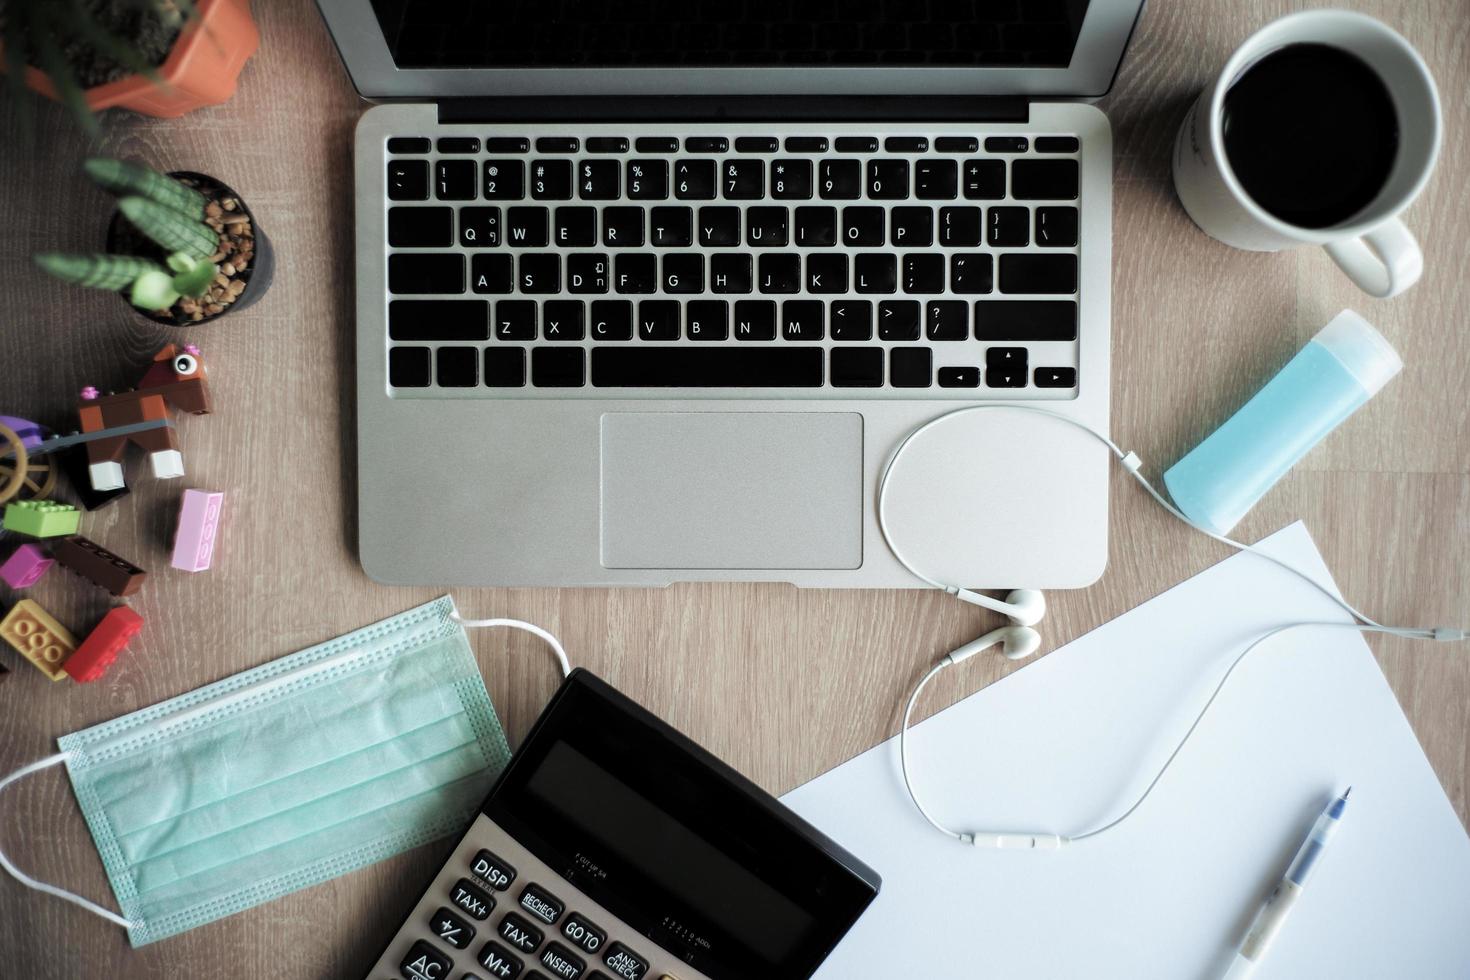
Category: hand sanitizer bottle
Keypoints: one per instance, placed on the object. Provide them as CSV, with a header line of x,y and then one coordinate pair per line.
x,y
1330,378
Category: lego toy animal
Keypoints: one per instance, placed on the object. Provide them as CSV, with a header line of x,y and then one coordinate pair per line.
x,y
176,378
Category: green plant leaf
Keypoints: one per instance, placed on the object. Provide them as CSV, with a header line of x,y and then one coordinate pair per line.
x,y
60,73
111,272
195,281
123,177
154,291
172,231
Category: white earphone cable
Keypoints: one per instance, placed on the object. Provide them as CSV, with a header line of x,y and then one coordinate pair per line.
x,y
518,624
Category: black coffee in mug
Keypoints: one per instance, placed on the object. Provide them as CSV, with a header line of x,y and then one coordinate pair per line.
x,y
1311,133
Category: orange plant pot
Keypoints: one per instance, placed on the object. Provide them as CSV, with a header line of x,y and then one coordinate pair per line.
x,y
202,68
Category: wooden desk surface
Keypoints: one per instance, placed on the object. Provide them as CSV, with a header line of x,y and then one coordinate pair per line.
x,y
821,673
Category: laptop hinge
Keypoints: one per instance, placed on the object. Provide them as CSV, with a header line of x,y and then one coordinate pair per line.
x,y
695,108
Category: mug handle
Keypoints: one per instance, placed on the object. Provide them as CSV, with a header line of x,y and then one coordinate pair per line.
x,y
1384,262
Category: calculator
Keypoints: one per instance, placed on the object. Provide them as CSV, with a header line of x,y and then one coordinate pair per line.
x,y
614,848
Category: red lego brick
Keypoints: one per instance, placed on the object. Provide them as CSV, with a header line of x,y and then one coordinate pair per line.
x,y
103,644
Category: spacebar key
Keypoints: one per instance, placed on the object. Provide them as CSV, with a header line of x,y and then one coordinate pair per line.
x,y
707,367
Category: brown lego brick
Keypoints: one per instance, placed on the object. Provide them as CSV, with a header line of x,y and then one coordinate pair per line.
x,y
100,566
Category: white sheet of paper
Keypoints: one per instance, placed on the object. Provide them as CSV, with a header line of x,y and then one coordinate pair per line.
x,y
1071,740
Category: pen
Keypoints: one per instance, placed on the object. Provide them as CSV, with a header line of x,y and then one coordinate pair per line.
x,y
1268,921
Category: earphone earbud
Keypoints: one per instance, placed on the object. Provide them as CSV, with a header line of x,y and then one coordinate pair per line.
x,y
1018,643
1024,607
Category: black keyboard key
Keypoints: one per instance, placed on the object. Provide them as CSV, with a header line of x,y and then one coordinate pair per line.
x,y
906,144
898,319
857,367
551,180
658,319
730,273
457,367
515,319
1011,319
425,272
767,227
622,227
706,144
971,272
408,180
420,227
947,319
984,180
648,180
563,319
803,319
557,144
959,227
1057,144
540,272
757,144
888,180
408,367
587,272
1005,378
683,273
409,144
912,227
936,180
492,274
875,273
1044,180
507,144
959,377
755,319
840,180
450,928
719,227
1056,227
561,962
791,180
612,319
479,227
857,144
851,319
806,144
744,180
826,273
1006,144
583,933
624,963
520,933
424,962
498,961
1029,273
438,319
911,367
779,273
505,180
862,226
1005,359
454,180
816,227
923,273
670,227
1008,227
1061,377
957,144
707,320
656,144
694,180
505,367
471,898
575,227
636,273
555,367
692,366
597,180
607,144
527,227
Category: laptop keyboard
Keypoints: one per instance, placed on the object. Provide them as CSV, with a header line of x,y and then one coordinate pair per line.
x,y
928,264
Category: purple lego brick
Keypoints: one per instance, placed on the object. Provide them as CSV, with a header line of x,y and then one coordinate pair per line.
x,y
25,566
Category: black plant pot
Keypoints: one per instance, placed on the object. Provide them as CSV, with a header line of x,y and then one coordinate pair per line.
x,y
124,239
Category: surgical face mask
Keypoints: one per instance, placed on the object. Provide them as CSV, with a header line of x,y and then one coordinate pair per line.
x,y
283,776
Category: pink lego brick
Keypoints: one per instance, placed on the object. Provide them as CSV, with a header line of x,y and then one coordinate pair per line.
x,y
198,524
25,566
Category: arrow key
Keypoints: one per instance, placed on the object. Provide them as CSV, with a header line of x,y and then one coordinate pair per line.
x,y
1006,359
1056,377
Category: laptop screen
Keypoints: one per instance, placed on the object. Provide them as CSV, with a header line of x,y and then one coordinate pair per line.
x,y
730,33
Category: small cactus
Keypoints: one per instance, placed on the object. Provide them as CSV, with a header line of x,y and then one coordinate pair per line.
x,y
112,272
123,178
172,231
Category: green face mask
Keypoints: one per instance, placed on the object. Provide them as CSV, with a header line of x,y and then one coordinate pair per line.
x,y
286,775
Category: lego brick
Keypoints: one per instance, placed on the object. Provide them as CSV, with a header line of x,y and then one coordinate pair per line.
x,y
100,566
198,524
39,638
42,518
74,461
25,566
103,644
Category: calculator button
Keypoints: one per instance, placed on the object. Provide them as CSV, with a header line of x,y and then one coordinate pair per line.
x,y
501,962
424,962
625,963
520,933
581,932
560,962
451,928
471,899
491,868
542,904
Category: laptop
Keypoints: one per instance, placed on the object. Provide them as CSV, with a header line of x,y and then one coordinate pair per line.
x,y
650,291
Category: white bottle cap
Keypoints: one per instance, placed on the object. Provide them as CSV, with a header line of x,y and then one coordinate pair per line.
x,y
1365,353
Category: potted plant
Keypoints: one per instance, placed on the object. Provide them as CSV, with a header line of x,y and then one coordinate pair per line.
x,y
182,248
157,57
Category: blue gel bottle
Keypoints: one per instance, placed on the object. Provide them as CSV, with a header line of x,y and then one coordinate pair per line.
x,y
1330,378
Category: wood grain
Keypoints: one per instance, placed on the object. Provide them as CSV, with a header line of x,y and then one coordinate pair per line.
x,y
783,683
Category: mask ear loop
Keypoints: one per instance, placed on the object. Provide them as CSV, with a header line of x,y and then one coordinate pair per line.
x,y
41,886
517,624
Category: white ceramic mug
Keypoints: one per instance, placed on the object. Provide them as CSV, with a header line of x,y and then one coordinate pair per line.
x,y
1373,247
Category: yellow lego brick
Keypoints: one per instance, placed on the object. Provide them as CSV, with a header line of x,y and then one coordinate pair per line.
x,y
38,637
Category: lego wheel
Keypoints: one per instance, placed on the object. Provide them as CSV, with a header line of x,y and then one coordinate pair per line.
x,y
20,474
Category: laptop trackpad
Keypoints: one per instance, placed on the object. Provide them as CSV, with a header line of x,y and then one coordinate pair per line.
x,y
732,490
